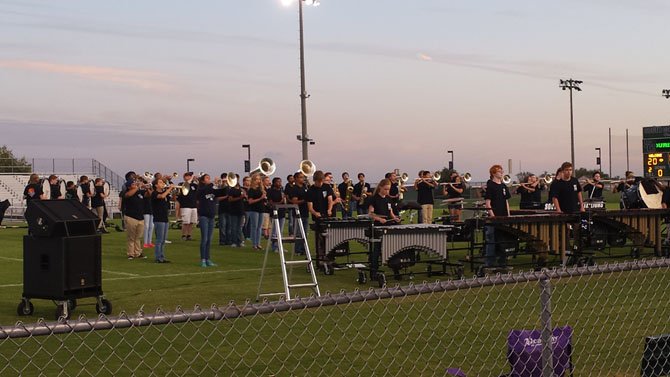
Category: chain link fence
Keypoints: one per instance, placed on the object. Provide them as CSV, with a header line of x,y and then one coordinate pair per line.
x,y
461,328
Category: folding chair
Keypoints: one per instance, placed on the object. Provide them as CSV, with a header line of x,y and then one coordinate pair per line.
x,y
524,352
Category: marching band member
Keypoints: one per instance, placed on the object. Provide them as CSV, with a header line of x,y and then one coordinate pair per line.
x,y
33,190
148,212
298,195
255,197
381,212
290,182
265,215
55,188
361,192
222,198
206,207
345,196
454,193
320,205
98,203
85,186
567,193
246,183
531,193
394,192
275,197
594,188
337,200
186,208
160,207
424,188
71,190
623,186
552,187
497,204
235,215
133,216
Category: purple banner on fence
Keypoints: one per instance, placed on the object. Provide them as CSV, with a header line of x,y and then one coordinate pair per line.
x,y
524,352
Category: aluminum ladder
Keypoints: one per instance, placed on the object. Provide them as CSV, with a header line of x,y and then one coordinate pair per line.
x,y
286,265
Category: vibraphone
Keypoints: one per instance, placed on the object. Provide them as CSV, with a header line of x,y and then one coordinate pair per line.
x,y
333,236
641,226
399,247
541,233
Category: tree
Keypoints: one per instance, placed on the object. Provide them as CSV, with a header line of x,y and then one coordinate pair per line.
x,y
10,164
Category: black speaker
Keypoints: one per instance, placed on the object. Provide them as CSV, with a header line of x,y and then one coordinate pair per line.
x,y
59,268
656,356
4,205
60,218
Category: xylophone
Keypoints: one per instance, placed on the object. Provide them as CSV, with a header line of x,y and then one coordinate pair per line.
x,y
332,237
641,226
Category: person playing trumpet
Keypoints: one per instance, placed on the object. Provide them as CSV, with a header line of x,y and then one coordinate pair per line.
x,y
424,187
453,190
531,193
160,207
594,187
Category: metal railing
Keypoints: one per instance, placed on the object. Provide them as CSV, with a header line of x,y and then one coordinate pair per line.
x,y
463,326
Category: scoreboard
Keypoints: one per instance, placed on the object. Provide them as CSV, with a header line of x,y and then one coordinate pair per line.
x,y
656,151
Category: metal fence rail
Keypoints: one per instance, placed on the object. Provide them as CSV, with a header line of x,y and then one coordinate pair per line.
x,y
400,331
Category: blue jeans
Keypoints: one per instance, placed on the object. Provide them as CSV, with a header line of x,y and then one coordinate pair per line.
x,y
255,222
234,229
493,256
349,213
206,230
223,229
246,232
148,228
161,235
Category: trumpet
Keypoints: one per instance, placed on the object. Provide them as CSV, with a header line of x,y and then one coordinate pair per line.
x,y
185,189
231,179
507,179
404,177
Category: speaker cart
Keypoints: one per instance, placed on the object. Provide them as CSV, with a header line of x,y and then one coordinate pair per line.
x,y
62,257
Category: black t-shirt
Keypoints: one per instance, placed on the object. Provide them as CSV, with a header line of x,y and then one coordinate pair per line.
x,y
424,193
223,203
498,194
160,207
567,194
85,190
358,189
451,191
342,189
529,198
206,200
597,191
318,196
381,206
299,193
255,193
275,196
190,200
134,206
55,191
32,192
148,210
395,190
97,200
235,207
71,194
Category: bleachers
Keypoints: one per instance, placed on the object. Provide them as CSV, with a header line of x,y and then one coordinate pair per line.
x,y
12,186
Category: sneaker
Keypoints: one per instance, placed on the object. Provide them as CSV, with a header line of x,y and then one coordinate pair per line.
x,y
146,246
166,241
203,264
152,245
183,238
188,238
209,263
234,245
141,256
131,258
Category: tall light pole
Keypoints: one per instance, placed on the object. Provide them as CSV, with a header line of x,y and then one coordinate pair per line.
x,y
599,161
304,136
188,164
666,93
247,162
451,162
571,85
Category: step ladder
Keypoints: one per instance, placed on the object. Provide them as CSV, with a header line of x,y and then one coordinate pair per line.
x,y
287,265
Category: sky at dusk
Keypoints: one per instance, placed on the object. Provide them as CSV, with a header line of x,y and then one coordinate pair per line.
x,y
145,84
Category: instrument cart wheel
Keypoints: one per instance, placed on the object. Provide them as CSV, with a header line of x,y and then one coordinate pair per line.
x,y
25,308
381,279
61,311
362,278
103,306
635,252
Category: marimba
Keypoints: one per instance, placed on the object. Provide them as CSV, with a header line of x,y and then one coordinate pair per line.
x,y
333,236
641,226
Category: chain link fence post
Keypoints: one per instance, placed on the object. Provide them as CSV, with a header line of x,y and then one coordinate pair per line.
x,y
545,318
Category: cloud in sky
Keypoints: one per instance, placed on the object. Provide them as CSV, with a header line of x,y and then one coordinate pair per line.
x,y
145,80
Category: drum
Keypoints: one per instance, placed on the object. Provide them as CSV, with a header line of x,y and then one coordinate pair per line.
x,y
80,193
631,198
105,188
650,195
46,188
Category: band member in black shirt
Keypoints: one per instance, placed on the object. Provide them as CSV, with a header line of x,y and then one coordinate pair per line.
x,y
255,197
454,193
594,188
186,207
235,215
320,197
276,197
133,216
624,186
567,196
394,192
298,195
85,189
290,182
98,203
206,206
346,189
497,204
424,195
381,212
71,190
33,190
361,192
222,198
160,207
531,193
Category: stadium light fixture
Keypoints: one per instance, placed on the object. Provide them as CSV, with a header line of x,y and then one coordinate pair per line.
x,y
666,93
571,85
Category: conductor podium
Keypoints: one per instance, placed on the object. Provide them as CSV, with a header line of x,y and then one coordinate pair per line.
x,y
62,257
